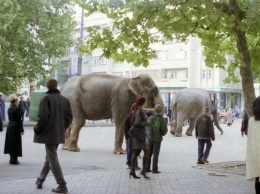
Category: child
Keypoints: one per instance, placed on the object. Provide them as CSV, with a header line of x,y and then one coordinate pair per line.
x,y
158,129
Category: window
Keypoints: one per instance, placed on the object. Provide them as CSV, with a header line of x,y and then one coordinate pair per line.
x,y
174,74
187,74
209,73
203,73
98,61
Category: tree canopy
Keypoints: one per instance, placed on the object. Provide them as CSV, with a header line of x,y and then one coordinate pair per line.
x,y
31,34
225,27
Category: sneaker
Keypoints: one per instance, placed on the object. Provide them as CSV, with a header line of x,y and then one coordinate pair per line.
x,y
128,167
200,162
205,160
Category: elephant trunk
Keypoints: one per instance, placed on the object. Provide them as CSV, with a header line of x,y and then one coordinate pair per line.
x,y
215,118
158,100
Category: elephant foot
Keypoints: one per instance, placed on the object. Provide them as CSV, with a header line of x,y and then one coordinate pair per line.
x,y
64,147
172,132
188,134
119,151
178,135
74,149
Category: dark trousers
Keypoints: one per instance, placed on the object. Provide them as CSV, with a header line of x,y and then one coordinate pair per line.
x,y
52,163
129,152
154,151
201,144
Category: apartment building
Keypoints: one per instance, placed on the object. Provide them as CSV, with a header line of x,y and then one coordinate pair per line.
x,y
177,66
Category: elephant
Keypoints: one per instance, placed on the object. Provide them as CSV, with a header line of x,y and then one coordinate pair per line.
x,y
188,104
105,96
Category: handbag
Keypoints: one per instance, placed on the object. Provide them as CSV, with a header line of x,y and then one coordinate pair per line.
x,y
137,133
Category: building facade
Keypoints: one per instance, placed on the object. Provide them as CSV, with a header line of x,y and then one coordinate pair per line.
x,y
177,66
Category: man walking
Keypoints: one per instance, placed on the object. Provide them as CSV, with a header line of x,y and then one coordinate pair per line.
x,y
204,132
54,117
2,105
22,105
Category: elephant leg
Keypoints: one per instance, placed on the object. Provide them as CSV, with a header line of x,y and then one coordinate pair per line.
x,y
173,124
119,137
178,130
77,124
173,127
67,136
191,127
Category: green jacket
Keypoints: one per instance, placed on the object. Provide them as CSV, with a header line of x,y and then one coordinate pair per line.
x,y
158,127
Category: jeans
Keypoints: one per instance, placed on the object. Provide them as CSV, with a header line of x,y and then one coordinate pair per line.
x,y
52,163
201,144
154,148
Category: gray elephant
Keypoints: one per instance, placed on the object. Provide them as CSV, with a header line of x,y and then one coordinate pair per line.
x,y
96,97
188,104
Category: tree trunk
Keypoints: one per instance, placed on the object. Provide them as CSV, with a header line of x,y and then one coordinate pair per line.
x,y
245,67
245,71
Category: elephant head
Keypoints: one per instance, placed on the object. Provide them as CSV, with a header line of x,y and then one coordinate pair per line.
x,y
143,85
214,109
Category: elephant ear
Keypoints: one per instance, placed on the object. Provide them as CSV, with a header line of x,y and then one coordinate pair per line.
x,y
136,86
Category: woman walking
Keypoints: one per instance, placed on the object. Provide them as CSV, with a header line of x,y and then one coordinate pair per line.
x,y
13,138
229,117
253,146
139,119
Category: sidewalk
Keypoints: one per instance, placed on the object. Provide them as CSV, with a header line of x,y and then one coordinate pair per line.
x,y
96,170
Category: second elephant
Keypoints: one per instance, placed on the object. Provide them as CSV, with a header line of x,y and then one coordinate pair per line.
x,y
188,104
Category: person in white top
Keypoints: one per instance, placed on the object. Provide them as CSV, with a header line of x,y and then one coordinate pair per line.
x,y
253,146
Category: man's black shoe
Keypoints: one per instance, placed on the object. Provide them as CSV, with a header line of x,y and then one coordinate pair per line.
x,y
60,189
156,172
39,184
200,162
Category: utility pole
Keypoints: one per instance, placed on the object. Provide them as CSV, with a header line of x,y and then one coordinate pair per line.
x,y
81,40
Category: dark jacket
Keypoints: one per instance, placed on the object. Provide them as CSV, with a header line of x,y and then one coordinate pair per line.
x,y
244,125
22,105
204,127
158,128
2,106
1,122
140,121
13,138
127,125
54,117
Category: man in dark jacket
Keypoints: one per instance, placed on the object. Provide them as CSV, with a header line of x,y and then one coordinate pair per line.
x,y
204,132
2,106
1,123
244,124
22,105
55,116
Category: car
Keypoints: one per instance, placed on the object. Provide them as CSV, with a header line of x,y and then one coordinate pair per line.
x,y
222,117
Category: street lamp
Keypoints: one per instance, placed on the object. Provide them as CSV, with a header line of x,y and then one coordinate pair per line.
x,y
81,41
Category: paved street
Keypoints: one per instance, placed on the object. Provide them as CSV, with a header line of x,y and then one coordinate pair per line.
x,y
95,169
